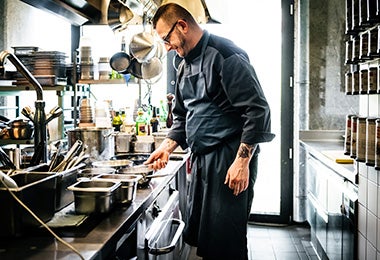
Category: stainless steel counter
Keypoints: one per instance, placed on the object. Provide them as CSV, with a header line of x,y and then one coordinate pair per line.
x,y
317,146
105,234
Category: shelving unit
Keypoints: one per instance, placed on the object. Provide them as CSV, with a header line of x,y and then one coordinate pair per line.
x,y
16,91
363,80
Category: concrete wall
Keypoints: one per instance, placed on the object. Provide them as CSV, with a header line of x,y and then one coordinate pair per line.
x,y
328,104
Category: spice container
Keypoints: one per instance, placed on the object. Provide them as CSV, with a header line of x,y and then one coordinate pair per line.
x,y
353,136
363,81
348,83
355,83
363,53
377,145
372,80
347,136
370,141
361,139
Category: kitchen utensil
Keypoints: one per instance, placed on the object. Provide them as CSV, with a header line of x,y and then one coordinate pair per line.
x,y
120,62
69,156
118,15
94,197
145,171
99,140
20,129
127,191
5,160
143,46
151,70
135,68
113,164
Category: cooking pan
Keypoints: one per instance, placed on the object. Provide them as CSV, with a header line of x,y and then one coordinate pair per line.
x,y
135,69
120,62
145,171
116,164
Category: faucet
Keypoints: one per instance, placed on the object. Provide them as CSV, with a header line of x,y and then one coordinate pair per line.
x,y
39,120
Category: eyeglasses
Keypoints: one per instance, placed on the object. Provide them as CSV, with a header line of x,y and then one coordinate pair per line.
x,y
166,39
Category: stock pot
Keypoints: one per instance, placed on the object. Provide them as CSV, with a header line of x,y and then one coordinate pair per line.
x,y
100,141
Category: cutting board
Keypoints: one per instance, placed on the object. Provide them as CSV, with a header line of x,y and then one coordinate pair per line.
x,y
338,157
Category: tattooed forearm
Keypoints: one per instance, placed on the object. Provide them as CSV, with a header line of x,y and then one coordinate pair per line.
x,y
246,151
169,145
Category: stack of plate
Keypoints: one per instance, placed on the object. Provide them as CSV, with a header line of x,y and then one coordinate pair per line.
x,y
86,63
50,67
85,111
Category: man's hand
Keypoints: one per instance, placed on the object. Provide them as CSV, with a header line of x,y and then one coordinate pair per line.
x,y
237,177
160,157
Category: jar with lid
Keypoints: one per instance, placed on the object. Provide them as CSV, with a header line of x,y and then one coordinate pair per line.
x,y
361,139
104,68
355,83
373,43
348,83
347,135
372,80
370,141
363,81
353,136
363,53
377,145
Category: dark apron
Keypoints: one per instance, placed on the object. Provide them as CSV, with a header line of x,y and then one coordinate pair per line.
x,y
217,220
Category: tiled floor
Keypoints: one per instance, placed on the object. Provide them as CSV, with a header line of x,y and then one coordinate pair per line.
x,y
274,242
270,242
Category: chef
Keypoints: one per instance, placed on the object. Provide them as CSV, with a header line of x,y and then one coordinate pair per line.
x,y
221,113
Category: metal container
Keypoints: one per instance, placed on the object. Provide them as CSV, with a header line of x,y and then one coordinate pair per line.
x,y
37,192
140,170
116,164
127,191
20,129
122,142
99,140
94,197
63,197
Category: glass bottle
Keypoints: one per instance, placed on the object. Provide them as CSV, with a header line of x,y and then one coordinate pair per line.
x,y
116,121
140,123
154,121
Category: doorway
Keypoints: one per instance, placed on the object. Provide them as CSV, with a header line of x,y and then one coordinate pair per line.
x,y
265,30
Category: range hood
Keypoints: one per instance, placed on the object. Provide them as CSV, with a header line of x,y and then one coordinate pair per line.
x,y
113,12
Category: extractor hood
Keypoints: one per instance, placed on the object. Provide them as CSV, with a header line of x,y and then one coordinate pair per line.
x,y
96,12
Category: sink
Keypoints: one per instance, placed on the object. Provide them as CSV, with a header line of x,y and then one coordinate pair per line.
x,y
37,192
